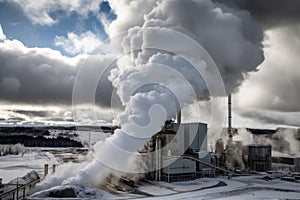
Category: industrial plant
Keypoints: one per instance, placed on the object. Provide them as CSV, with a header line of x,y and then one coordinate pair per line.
x,y
179,152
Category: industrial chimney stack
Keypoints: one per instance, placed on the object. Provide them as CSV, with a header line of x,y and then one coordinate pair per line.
x,y
178,118
229,117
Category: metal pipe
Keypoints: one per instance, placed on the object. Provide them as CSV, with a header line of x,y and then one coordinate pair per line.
x,y
229,116
156,158
159,159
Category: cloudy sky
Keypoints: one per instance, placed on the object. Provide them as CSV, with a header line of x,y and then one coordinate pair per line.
x,y
44,44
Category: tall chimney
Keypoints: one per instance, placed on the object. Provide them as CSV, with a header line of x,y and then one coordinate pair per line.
x,y
178,117
229,117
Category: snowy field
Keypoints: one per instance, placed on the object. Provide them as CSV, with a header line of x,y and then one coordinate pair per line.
x,y
246,187
13,166
251,187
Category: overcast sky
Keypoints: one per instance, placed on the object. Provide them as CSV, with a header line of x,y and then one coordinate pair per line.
x,y
44,44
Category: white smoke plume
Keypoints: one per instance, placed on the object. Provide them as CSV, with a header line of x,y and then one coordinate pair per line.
x,y
230,37
145,115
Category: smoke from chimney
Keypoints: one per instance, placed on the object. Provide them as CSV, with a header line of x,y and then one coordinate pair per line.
x,y
230,36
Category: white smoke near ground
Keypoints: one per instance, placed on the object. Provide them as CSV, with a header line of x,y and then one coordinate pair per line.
x,y
231,38
145,115
283,141
292,137
244,136
62,173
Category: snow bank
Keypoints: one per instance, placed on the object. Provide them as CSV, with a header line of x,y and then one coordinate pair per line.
x,y
13,149
72,191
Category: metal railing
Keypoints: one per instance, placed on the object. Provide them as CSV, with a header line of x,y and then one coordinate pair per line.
x,y
19,192
205,163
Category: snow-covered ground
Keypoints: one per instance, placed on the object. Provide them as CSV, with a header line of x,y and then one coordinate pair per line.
x,y
13,166
86,192
251,187
244,187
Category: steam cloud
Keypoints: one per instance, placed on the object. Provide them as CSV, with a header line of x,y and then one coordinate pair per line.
x,y
230,36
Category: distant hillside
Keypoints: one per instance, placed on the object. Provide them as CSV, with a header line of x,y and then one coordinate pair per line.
x,y
31,131
47,136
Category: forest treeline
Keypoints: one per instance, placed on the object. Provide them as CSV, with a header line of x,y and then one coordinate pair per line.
x,y
40,141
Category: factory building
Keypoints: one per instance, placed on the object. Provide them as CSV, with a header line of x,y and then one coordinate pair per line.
x,y
178,169
290,163
259,157
179,152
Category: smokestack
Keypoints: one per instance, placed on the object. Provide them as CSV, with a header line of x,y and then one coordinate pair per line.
x,y
46,167
229,117
179,117
53,169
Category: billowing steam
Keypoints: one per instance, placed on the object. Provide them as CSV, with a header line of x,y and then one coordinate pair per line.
x,y
145,114
229,36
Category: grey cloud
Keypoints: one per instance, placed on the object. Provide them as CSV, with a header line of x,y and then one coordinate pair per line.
x,y
269,13
34,76
16,119
274,117
59,114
